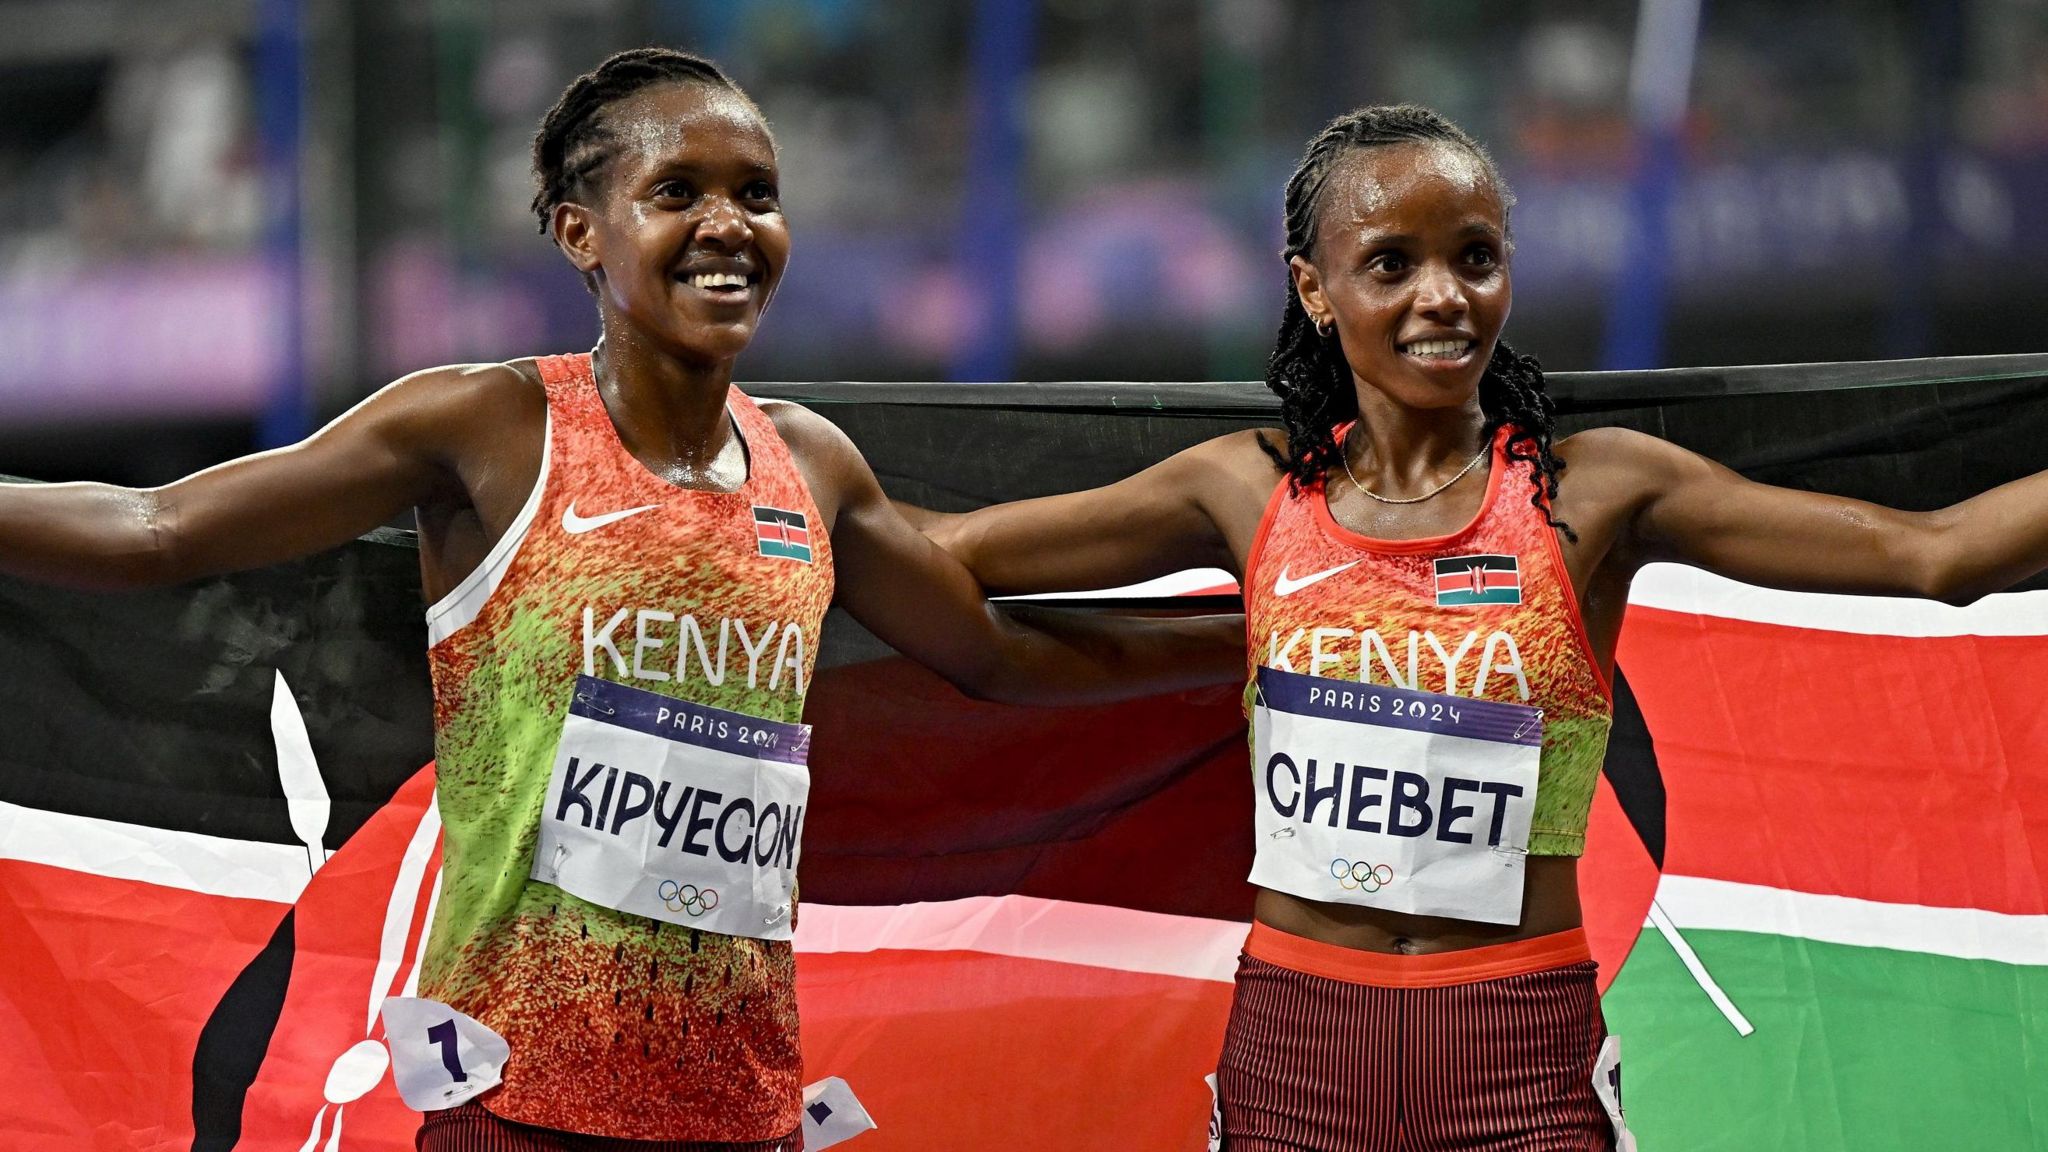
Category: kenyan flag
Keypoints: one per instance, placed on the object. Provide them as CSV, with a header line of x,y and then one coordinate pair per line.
x,y
1463,580
782,533
217,853
1849,944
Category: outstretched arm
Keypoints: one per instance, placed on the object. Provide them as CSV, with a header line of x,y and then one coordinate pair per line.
x,y
1690,509
387,454
1183,512
909,592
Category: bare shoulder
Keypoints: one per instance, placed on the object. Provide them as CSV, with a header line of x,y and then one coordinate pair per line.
x,y
466,405
1595,446
1247,449
510,387
1622,454
814,440
1612,475
1246,458
1239,472
831,465
1229,479
796,422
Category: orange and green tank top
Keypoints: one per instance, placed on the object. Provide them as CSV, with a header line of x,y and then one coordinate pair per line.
x,y
1486,612
619,1025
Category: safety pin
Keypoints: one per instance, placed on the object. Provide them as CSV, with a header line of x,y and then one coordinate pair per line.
x,y
598,706
1536,719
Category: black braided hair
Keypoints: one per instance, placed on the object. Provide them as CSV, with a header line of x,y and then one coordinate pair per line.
x,y
574,141
1307,369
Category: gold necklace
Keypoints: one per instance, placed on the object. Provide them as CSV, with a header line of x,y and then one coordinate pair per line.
x,y
1344,458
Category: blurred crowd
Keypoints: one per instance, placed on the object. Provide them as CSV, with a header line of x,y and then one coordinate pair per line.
x,y
1855,163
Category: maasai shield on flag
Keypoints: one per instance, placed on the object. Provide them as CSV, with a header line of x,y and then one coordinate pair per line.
x,y
217,850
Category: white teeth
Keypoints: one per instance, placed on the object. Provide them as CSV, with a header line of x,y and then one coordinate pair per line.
x,y
718,280
1443,348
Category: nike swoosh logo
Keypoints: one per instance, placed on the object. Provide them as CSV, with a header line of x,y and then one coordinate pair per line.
x,y
1282,586
576,525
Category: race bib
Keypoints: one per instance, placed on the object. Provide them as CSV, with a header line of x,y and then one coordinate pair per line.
x,y
1391,798
676,811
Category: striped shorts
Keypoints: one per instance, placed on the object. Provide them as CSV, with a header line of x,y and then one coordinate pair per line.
x,y
1332,1049
473,1128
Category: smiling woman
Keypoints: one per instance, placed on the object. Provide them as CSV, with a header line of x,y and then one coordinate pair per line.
x,y
1367,280
622,802
1417,975
622,162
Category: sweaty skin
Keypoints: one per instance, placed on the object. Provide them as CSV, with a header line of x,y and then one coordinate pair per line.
x,y
1410,246
690,189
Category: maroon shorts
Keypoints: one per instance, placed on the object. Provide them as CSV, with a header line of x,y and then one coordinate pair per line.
x,y
473,1128
1336,1050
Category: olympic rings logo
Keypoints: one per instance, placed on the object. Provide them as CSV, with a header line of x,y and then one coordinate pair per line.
x,y
1359,875
687,898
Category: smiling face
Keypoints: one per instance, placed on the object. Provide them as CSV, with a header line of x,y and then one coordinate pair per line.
x,y
681,228
1410,264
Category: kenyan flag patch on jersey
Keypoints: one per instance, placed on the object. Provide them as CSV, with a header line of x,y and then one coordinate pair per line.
x,y
1462,580
783,534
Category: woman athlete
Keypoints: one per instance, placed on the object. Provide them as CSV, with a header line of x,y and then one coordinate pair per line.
x,y
1433,589
628,561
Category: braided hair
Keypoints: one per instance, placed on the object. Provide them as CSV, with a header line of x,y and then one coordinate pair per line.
x,y
575,141
1307,369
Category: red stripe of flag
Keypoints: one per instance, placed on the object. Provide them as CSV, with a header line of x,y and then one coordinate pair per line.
x,y
885,1019
112,980
1491,578
782,532
1900,769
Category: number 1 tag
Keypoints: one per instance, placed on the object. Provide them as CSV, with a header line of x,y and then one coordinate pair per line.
x,y
440,1057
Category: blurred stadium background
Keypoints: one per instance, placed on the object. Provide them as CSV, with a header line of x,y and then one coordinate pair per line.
x,y
223,220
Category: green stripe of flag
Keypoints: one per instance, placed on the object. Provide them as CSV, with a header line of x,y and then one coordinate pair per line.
x,y
1855,1048
1463,597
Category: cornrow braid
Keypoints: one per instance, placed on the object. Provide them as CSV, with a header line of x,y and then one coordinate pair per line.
x,y
574,141
1307,369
